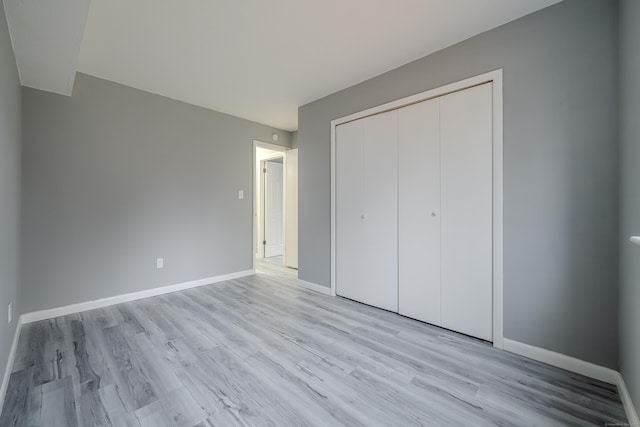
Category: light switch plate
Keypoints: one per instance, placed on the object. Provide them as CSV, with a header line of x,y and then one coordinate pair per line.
x,y
160,263
240,194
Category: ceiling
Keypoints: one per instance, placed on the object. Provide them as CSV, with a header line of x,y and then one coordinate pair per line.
x,y
46,38
260,59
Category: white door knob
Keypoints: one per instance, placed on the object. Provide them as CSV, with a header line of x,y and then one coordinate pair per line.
x,y
363,216
435,213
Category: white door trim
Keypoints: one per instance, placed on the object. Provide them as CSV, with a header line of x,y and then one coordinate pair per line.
x,y
291,234
269,146
496,78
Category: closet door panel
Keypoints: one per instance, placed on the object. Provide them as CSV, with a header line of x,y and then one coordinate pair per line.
x,y
349,208
466,161
381,210
419,211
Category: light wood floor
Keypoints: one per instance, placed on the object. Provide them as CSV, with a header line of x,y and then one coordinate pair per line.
x,y
263,351
277,260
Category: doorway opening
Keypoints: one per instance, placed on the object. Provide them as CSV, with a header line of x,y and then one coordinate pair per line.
x,y
275,201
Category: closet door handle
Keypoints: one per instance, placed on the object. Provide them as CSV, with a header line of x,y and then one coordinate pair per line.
x,y
363,216
435,213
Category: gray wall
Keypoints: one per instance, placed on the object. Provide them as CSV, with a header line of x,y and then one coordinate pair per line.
x,y
9,190
630,213
114,177
560,169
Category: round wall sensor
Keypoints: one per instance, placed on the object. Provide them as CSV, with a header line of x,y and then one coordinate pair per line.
x,y
275,137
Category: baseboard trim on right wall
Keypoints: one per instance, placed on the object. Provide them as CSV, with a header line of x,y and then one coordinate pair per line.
x,y
578,366
563,361
629,407
315,287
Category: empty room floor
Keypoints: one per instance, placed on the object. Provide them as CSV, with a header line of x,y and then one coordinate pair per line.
x,y
262,351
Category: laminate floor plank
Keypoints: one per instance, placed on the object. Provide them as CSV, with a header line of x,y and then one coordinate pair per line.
x,y
133,382
91,409
114,407
262,351
58,404
18,409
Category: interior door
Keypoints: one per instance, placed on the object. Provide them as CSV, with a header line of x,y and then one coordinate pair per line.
x,y
467,200
291,209
419,211
273,209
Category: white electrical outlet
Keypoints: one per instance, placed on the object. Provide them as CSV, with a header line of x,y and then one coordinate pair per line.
x,y
9,313
160,263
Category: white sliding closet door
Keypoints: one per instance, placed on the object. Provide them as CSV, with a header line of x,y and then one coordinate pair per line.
x,y
381,210
467,198
367,210
414,210
419,211
349,208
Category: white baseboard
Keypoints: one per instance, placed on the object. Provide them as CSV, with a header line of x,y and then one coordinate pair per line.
x,y
629,407
314,287
118,299
10,360
578,366
562,361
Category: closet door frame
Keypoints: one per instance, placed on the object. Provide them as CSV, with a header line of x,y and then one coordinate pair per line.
x,y
496,78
